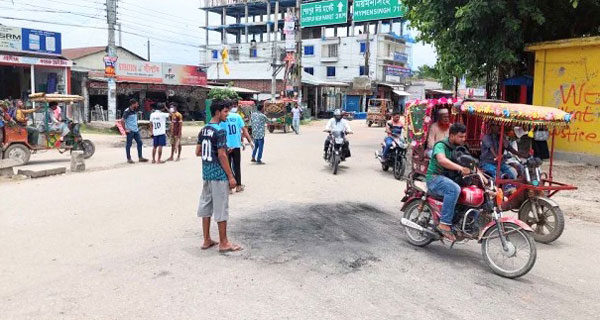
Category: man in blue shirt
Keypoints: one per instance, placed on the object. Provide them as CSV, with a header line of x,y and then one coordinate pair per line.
x,y
235,128
217,178
130,123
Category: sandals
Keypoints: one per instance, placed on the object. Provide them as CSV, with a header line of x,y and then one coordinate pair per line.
x,y
446,234
240,188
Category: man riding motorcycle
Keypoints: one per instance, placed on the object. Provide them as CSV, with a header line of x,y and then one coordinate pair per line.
x,y
393,129
337,123
438,183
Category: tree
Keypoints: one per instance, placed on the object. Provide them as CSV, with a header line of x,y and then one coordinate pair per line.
x,y
224,93
487,37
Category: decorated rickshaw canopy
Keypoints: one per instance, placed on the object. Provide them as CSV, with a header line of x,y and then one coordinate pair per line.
x,y
518,114
54,97
432,102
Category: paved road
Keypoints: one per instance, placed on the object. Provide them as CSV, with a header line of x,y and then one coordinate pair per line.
x,y
124,243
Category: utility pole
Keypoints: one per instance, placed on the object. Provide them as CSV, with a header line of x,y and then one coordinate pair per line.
x,y
120,35
367,57
111,16
299,50
275,51
148,49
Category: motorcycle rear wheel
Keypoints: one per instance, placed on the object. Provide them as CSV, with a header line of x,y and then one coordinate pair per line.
x,y
415,237
520,243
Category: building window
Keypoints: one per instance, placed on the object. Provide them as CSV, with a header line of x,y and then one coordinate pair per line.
x,y
215,54
309,50
333,50
361,70
363,47
310,70
331,71
253,53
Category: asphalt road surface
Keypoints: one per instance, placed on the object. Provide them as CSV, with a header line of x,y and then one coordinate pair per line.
x,y
123,242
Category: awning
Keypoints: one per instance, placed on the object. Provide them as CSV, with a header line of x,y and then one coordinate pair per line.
x,y
308,78
401,93
236,89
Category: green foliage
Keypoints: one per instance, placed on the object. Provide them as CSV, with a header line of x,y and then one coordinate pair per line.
x,y
223,94
474,37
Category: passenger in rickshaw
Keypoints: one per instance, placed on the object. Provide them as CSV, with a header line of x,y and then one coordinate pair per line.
x,y
5,117
21,117
56,123
489,152
393,129
439,130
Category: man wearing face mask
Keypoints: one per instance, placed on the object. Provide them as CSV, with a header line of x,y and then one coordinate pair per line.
x,y
176,129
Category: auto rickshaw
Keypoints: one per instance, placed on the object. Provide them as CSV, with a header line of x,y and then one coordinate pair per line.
x,y
16,145
279,112
533,189
379,112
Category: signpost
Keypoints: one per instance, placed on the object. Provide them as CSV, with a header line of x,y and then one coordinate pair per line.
x,y
324,13
367,10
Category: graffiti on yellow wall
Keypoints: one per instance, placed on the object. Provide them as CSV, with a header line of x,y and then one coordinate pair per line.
x,y
567,76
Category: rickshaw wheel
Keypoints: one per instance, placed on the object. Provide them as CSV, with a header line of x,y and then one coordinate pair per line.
x,y
369,123
551,222
271,129
385,167
144,133
17,152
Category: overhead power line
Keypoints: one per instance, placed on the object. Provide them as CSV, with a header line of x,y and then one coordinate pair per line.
x,y
158,14
145,36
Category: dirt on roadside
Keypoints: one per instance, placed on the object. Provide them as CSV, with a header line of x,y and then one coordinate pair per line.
x,y
583,203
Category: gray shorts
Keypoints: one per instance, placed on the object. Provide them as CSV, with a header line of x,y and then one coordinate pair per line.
x,y
214,200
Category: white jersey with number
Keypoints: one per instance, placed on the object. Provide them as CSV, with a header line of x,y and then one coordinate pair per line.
x,y
159,122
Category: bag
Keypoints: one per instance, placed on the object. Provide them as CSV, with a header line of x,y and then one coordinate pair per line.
x,y
541,135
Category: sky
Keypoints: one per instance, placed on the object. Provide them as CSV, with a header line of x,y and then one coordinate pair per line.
x,y
173,29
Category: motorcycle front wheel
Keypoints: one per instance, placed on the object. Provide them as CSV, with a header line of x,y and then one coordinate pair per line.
x,y
416,237
519,256
335,161
399,168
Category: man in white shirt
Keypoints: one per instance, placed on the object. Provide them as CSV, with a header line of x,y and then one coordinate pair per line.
x,y
337,123
296,115
158,126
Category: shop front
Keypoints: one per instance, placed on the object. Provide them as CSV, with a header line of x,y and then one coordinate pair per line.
x,y
23,74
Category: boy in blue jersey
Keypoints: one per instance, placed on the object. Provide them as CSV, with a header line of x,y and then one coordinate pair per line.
x,y
236,129
217,176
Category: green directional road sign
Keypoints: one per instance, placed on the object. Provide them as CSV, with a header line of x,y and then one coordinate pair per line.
x,y
367,10
324,13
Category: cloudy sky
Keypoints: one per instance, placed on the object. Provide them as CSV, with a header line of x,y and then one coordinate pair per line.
x,y
171,26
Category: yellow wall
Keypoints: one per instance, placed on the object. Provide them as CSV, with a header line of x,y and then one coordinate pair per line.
x,y
567,76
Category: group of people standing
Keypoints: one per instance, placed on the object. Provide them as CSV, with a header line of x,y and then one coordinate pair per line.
x,y
158,127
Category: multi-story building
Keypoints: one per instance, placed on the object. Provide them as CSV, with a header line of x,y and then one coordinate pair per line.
x,y
331,57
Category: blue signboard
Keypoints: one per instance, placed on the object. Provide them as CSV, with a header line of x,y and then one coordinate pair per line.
x,y
41,41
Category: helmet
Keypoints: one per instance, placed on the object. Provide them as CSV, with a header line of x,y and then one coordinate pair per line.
x,y
337,112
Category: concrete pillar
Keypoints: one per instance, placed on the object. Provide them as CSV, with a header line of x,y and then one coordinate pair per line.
x,y
246,21
224,23
86,99
206,51
276,21
32,76
268,21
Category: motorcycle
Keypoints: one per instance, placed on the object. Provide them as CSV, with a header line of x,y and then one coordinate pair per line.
x,y
507,244
396,157
335,152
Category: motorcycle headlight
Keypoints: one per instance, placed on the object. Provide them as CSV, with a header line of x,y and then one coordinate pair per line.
x,y
339,140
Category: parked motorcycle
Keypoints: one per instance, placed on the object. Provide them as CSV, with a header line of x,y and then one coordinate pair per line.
x,y
336,152
396,157
507,244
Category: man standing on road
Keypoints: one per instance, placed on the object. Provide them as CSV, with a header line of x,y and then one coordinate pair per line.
x,y
235,127
176,129
296,116
130,123
217,176
258,121
158,124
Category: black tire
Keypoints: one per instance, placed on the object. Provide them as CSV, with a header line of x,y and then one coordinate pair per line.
x,y
17,152
385,167
335,162
555,225
285,130
415,237
88,148
514,232
399,168
369,123
271,129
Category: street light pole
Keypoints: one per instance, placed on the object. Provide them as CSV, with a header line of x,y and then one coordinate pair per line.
x,y
111,16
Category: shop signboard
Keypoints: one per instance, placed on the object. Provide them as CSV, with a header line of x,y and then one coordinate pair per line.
x,y
397,71
367,10
178,74
139,71
47,62
323,13
400,57
10,38
41,41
